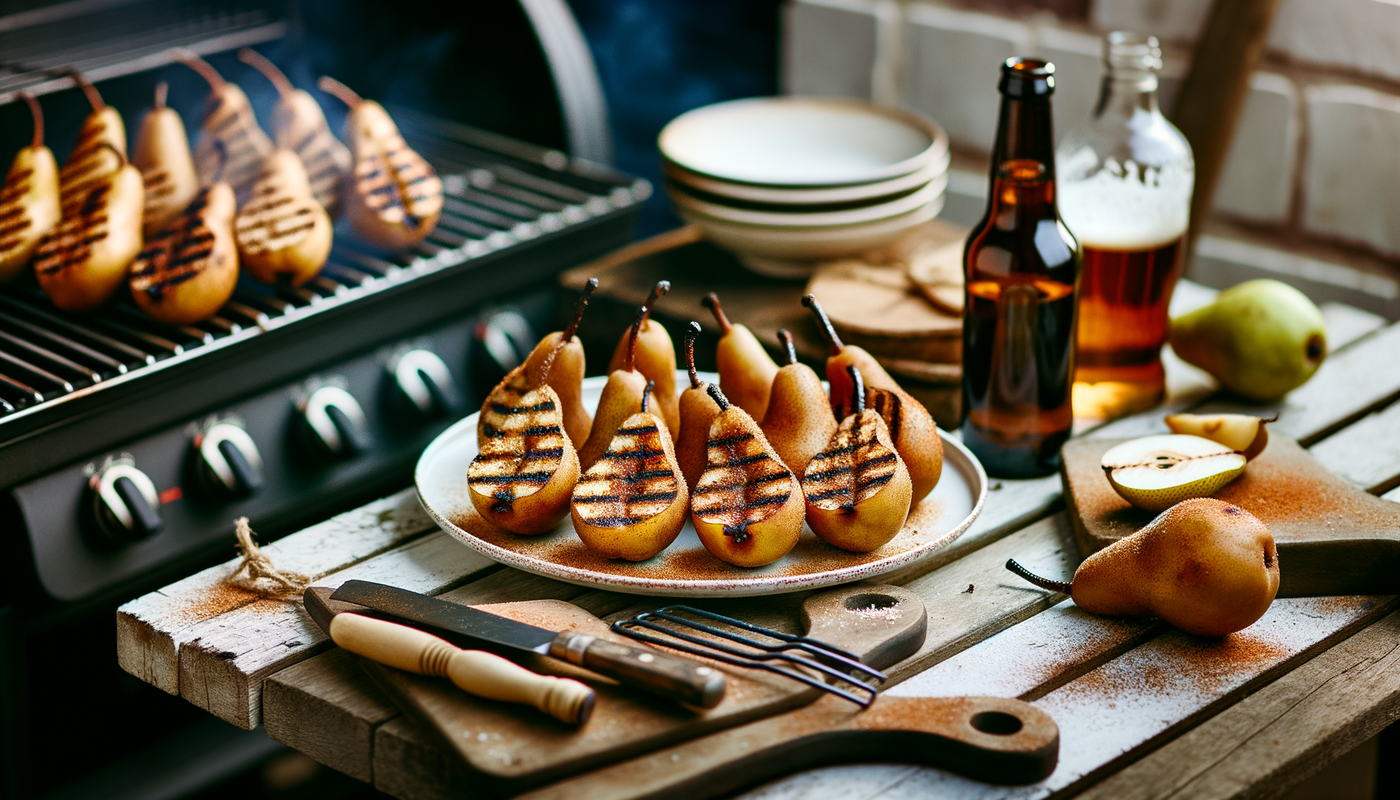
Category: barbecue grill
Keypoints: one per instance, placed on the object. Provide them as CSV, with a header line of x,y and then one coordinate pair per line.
x,y
128,446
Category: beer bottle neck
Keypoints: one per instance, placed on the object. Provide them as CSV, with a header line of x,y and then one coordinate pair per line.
x,y
1024,135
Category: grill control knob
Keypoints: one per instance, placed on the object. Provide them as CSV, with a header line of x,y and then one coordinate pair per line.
x,y
126,503
229,460
426,382
336,421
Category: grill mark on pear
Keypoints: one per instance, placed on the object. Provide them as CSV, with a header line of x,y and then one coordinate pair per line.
x,y
520,453
852,471
632,481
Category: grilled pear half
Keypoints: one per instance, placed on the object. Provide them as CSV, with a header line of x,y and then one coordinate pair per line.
x,y
857,488
632,503
230,146
283,234
189,268
299,125
747,506
524,473
697,412
98,155
28,200
163,155
393,197
83,260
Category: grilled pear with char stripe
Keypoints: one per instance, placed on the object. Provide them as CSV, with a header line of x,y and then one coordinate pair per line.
x,y
393,197
299,125
633,502
284,235
747,507
621,398
799,421
746,371
189,268
655,359
566,372
167,169
28,200
231,146
911,427
83,260
857,488
697,412
523,476
98,155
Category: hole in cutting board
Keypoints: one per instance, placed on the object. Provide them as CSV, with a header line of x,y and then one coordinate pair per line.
x,y
998,723
869,602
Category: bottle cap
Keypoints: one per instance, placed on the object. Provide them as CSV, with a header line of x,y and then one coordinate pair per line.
x,y
1025,78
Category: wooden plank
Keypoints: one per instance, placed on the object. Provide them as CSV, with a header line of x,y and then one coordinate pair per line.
x,y
1345,324
1367,453
224,660
409,765
1281,734
150,629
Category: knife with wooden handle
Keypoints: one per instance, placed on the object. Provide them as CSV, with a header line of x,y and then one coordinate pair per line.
x,y
473,671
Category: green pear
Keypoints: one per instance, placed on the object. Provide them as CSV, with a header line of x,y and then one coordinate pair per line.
x,y
1260,339
1204,566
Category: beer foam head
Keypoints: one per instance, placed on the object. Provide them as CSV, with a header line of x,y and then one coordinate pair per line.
x,y
1127,208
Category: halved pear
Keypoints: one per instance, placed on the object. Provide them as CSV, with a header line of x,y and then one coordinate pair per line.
x,y
1155,473
1241,432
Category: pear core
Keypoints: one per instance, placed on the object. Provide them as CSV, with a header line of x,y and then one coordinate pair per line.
x,y
1156,472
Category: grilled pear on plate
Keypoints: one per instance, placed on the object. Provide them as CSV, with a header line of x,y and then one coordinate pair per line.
x,y
697,412
299,124
393,197
82,261
857,488
565,352
655,359
28,200
284,235
524,473
912,428
187,271
621,398
799,421
230,146
162,154
746,371
747,507
633,502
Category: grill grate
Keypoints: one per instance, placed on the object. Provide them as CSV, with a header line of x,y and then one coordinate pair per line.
x,y
494,202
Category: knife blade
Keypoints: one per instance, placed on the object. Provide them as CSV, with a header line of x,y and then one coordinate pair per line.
x,y
650,670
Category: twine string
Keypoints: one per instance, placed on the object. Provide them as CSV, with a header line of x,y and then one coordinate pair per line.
x,y
258,566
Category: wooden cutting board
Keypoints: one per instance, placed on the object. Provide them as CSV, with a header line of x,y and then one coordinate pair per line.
x,y
509,748
1333,538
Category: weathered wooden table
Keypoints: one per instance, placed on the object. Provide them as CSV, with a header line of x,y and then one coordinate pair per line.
x,y
1143,711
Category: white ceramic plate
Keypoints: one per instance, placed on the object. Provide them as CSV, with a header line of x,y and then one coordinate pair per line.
x,y
686,568
803,218
807,196
801,141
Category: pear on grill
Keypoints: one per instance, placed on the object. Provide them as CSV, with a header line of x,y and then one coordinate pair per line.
x,y
284,235
162,154
857,488
747,506
82,261
230,145
524,473
188,269
392,198
632,503
299,125
28,200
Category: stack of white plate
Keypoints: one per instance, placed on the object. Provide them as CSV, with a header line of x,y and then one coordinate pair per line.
x,y
787,181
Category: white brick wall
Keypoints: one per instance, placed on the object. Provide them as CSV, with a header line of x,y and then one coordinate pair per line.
x,y
1168,20
829,47
952,66
1351,176
1257,183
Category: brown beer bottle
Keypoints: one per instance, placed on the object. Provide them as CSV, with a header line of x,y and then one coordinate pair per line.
x,y
1022,270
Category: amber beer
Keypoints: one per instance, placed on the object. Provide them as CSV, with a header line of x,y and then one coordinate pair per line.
x,y
1022,270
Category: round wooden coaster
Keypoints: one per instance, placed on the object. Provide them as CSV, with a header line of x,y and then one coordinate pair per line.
x,y
938,275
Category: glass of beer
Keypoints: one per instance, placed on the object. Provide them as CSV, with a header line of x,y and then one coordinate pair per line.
x,y
1125,192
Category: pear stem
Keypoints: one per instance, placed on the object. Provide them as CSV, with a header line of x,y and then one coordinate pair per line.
x,y
342,92
690,334
1044,583
38,115
194,62
785,339
259,62
94,99
711,302
162,89
824,323
632,339
579,308
646,394
718,396
857,390
121,157
662,287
